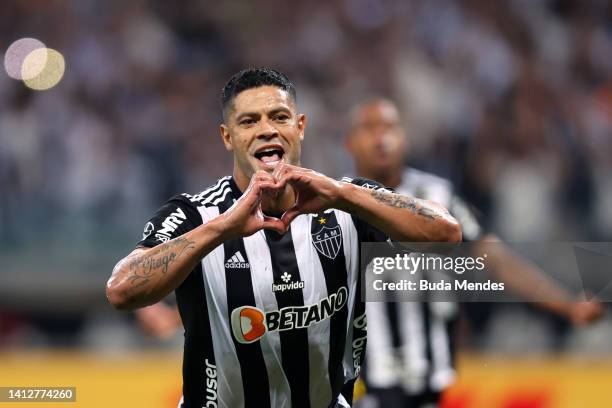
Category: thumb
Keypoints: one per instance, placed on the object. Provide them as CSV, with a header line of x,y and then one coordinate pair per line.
x,y
290,215
274,224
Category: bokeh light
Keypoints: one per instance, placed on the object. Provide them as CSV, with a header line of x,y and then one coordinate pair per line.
x,y
29,60
16,55
53,67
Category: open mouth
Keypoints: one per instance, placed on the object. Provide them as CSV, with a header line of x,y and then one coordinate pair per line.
x,y
270,155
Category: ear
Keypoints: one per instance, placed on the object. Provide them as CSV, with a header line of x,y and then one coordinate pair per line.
x,y
301,123
225,135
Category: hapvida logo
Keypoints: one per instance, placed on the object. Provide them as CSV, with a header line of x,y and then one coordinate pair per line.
x,y
281,287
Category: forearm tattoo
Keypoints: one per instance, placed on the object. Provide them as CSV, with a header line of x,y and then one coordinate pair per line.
x,y
143,268
413,204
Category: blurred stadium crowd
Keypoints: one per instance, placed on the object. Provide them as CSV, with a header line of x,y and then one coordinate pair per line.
x,y
512,100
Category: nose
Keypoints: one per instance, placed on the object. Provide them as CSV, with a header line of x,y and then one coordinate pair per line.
x,y
266,131
382,134
378,136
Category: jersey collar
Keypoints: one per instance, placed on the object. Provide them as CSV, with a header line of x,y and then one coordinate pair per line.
x,y
236,193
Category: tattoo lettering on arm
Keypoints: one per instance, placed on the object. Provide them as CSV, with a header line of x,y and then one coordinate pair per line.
x,y
415,205
144,267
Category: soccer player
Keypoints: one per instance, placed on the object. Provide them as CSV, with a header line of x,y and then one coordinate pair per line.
x,y
409,359
265,262
160,321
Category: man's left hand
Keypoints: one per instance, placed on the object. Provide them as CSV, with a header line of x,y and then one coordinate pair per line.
x,y
314,191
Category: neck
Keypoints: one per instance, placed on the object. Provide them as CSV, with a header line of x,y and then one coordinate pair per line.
x,y
280,204
241,180
391,178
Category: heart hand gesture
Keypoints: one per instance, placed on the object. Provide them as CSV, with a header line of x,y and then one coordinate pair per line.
x,y
314,192
246,217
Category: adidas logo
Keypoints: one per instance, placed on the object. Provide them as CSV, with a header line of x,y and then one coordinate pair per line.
x,y
237,261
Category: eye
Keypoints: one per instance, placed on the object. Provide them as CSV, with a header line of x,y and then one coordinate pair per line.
x,y
246,122
282,117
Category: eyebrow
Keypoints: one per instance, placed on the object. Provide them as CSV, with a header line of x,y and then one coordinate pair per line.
x,y
246,114
271,113
279,110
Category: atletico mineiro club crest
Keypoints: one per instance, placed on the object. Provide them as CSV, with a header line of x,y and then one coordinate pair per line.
x,y
328,241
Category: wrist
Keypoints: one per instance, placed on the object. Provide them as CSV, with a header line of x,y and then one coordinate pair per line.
x,y
560,307
221,229
346,195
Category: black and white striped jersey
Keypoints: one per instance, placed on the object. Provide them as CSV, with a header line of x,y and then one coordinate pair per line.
x,y
410,344
270,320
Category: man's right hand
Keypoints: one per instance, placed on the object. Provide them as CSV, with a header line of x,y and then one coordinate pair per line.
x,y
246,217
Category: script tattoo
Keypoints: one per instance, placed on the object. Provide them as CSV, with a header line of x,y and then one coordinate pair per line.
x,y
413,204
143,268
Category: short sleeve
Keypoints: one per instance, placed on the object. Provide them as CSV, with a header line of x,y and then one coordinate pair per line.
x,y
365,231
175,218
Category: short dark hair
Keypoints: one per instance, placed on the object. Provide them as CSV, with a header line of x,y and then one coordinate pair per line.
x,y
254,78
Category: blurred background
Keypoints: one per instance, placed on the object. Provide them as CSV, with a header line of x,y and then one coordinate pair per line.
x,y
512,100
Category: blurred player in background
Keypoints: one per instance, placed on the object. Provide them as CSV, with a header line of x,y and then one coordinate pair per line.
x,y
264,265
409,359
161,320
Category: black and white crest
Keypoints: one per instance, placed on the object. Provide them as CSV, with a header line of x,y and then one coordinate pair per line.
x,y
328,241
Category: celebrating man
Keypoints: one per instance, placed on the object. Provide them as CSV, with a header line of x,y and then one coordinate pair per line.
x,y
265,263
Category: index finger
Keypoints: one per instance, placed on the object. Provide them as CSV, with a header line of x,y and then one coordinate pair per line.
x,y
284,168
262,175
